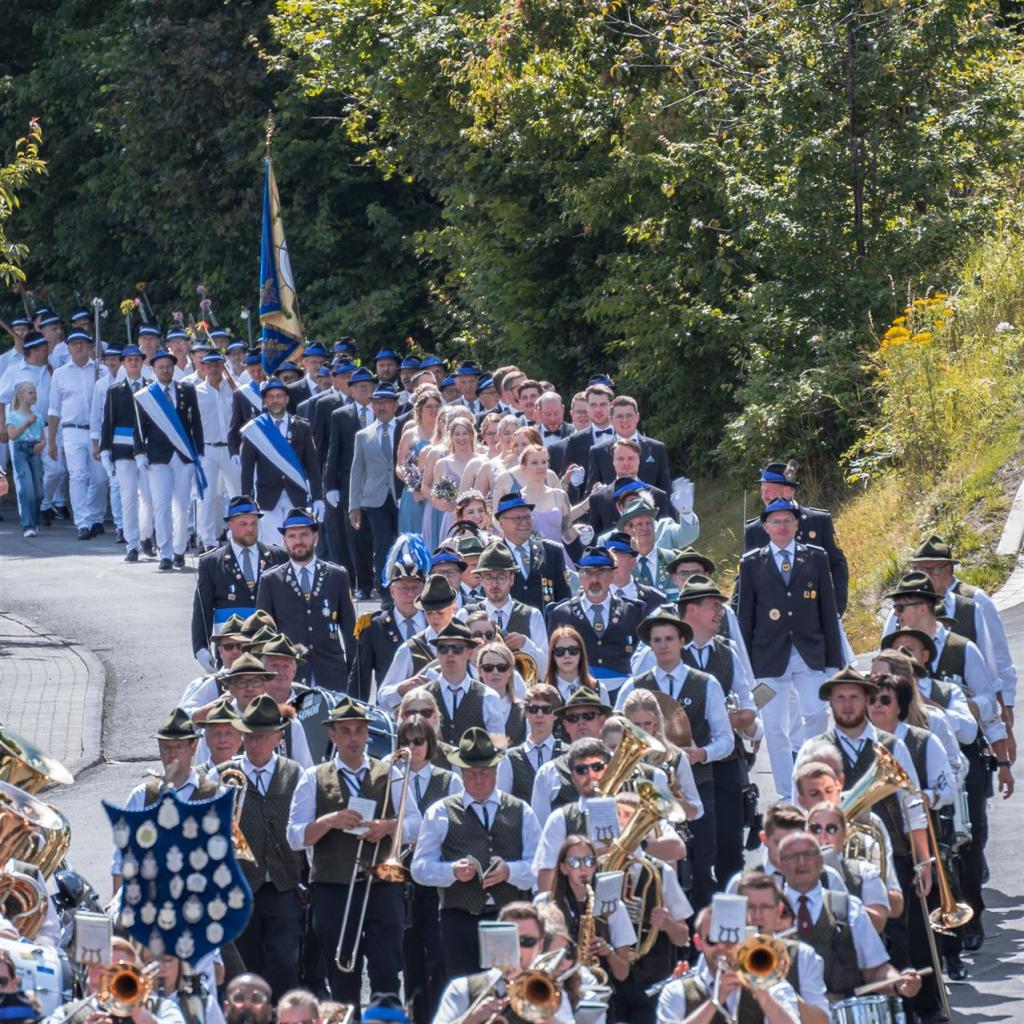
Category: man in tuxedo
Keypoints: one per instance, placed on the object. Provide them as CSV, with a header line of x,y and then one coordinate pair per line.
x,y
574,450
272,477
778,482
372,478
227,577
466,378
345,422
625,418
170,471
608,500
314,355
551,411
246,402
311,602
541,577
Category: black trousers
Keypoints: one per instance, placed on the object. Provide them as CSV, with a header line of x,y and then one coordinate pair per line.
x,y
379,945
269,945
360,550
971,860
424,959
460,942
729,778
702,848
912,931
384,529
631,1005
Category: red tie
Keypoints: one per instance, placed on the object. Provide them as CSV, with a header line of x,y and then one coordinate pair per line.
x,y
804,924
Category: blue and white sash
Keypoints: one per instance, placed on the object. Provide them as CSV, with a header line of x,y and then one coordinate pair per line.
x,y
159,409
269,441
123,437
251,391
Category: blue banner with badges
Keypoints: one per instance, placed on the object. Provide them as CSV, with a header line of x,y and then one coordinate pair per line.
x,y
183,890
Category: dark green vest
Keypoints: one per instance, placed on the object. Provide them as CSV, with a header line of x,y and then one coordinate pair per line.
x,y
852,875
334,855
720,663
470,711
952,663
524,770
421,652
515,724
437,788
693,697
832,939
747,1010
466,836
965,611
567,792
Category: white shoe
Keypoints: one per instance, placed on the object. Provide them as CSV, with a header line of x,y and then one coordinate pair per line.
x,y
31,533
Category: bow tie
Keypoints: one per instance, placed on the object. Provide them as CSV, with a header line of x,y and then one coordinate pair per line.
x,y
551,433
601,433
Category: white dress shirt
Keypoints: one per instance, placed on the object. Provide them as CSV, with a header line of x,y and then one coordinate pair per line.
x,y
867,942
413,821
400,670
494,713
957,713
303,808
455,1002
429,869
71,391
999,650
536,637
672,1001
215,410
548,781
547,750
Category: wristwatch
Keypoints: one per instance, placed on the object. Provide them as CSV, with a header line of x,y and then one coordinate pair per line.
x,y
1003,764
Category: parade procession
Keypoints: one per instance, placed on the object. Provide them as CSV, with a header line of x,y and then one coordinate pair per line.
x,y
476,730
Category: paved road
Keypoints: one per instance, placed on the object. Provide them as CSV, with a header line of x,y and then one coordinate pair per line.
x,y
136,620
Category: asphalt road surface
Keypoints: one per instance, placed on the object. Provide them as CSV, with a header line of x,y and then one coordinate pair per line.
x,y
136,620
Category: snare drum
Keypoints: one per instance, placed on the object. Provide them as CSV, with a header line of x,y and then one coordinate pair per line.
x,y
42,972
382,731
863,1010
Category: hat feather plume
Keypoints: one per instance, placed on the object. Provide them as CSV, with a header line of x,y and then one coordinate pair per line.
x,y
407,547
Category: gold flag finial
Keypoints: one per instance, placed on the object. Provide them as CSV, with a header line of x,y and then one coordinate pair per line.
x,y
269,127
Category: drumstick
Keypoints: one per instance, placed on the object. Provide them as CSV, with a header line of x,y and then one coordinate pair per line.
x,y
877,986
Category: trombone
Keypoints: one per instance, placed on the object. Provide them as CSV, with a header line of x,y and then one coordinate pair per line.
x,y
390,870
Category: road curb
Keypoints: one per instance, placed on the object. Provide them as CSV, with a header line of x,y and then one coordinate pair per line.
x,y
84,686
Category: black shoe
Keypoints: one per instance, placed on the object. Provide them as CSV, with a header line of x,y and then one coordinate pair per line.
x,y
97,529
85,533
165,565
46,516
362,594
120,537
179,561
131,555
148,547
974,938
63,512
956,969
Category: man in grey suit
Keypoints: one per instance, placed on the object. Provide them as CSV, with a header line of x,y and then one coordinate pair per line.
x,y
372,483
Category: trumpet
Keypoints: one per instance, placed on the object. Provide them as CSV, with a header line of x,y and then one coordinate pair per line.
x,y
763,960
235,778
535,994
124,988
389,871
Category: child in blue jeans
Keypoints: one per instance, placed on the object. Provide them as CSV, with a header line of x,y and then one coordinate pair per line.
x,y
25,432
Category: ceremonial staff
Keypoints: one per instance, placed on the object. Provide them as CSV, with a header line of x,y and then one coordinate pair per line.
x,y
97,306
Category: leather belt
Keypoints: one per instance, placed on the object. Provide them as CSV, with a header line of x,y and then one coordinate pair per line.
x,y
216,444
74,426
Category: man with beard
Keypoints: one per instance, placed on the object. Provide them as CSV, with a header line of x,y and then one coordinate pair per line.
x,y
311,602
247,1000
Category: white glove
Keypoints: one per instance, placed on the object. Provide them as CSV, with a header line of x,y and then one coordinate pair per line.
x,y
236,460
334,497
205,659
586,533
142,461
681,502
319,511
107,462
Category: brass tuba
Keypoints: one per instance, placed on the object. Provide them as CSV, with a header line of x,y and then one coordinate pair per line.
x,y
27,766
763,960
655,803
526,666
235,778
23,902
634,746
31,830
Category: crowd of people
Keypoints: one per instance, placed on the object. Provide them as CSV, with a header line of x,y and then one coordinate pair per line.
x,y
550,721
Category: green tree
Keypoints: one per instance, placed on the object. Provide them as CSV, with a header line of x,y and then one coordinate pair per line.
x,y
27,163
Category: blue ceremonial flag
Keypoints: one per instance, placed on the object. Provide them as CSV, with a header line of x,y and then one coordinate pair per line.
x,y
281,329
183,890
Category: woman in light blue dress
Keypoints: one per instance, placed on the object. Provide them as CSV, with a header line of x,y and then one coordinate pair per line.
x,y
416,438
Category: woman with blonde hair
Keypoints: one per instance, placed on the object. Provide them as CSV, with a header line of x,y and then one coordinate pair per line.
x,y
426,407
444,463
496,666
504,459
488,445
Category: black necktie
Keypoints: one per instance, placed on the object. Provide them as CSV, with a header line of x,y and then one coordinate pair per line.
x,y
487,817
354,780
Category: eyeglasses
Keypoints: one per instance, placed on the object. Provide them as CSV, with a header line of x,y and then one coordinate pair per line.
x,y
581,862
255,997
592,767
489,635
561,652
800,855
246,684
496,577
451,648
528,941
880,698
539,709
831,829
516,519
580,716
899,606
497,666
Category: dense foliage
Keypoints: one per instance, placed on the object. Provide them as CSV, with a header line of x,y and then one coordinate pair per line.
x,y
713,202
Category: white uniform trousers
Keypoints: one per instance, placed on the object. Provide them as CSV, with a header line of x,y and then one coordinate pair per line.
x,y
136,509
784,731
55,475
224,479
87,479
273,518
170,486
116,505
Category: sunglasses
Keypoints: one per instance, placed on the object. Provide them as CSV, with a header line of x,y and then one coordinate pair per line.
x,y
899,606
595,767
452,648
831,830
561,652
539,709
496,666
489,635
881,698
580,716
581,862
528,941
233,646
416,741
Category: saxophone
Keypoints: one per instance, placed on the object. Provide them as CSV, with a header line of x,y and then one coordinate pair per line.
x,y
585,938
